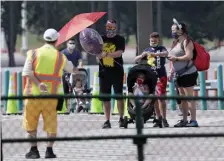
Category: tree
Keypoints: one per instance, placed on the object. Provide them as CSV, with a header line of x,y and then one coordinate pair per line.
x,y
11,25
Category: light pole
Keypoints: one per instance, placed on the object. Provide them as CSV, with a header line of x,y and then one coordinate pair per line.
x,y
144,24
24,47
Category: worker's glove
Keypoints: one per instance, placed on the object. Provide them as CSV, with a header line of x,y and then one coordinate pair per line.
x,y
43,88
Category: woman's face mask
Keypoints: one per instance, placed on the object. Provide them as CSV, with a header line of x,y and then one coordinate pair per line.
x,y
111,30
71,46
176,33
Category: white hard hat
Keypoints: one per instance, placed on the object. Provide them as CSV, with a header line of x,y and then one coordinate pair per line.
x,y
51,35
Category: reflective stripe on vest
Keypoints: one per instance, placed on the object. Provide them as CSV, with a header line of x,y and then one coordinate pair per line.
x,y
53,78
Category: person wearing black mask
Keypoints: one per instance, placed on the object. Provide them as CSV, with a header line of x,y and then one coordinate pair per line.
x,y
181,55
155,56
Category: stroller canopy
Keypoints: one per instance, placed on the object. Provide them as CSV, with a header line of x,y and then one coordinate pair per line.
x,y
150,76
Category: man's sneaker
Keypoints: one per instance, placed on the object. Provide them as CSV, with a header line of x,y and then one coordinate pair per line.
x,y
158,123
49,153
32,154
107,125
192,123
165,123
181,123
121,122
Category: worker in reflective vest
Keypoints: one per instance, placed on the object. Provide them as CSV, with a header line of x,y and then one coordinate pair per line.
x,y
43,69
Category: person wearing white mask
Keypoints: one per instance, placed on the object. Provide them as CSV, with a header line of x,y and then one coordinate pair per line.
x,y
155,56
73,56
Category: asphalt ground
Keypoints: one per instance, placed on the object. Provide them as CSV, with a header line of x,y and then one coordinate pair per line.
x,y
169,149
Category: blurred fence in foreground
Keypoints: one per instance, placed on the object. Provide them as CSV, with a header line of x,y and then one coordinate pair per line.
x,y
80,136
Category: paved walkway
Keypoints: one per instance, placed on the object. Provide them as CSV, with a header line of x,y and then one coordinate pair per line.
x,y
187,149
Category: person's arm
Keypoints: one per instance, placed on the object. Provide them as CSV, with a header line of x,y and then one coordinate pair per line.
x,y
68,66
163,53
188,48
28,72
120,45
80,63
188,53
139,57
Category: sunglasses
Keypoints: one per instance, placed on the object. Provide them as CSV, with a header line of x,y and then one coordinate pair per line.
x,y
110,27
72,43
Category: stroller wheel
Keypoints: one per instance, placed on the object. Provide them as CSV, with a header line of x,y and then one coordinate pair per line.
x,y
71,110
131,121
79,109
125,122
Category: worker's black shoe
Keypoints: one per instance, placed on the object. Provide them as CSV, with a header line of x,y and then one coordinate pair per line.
x,y
33,153
49,153
107,125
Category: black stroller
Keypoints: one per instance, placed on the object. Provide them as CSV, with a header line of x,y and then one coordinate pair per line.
x,y
82,76
150,80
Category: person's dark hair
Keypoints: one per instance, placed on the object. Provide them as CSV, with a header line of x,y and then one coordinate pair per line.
x,y
51,42
185,31
154,35
112,21
72,39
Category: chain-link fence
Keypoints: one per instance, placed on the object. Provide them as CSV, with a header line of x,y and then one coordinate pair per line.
x,y
81,137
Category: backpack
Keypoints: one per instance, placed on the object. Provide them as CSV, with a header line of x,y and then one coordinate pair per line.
x,y
201,57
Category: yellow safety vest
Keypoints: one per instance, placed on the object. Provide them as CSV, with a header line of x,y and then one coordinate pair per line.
x,y
47,66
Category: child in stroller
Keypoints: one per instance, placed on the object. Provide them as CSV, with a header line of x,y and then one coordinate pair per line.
x,y
141,81
78,83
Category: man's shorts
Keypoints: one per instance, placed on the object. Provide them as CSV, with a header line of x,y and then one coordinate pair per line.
x,y
106,83
32,110
161,86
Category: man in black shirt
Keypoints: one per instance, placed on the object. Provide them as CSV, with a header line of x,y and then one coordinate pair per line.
x,y
111,71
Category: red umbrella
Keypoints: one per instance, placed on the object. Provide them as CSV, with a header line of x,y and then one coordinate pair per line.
x,y
77,24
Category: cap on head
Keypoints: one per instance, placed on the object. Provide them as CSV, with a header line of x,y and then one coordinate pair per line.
x,y
50,35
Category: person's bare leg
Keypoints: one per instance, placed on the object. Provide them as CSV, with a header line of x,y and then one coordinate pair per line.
x,y
51,143
183,104
33,152
157,110
107,108
120,106
162,108
32,135
189,91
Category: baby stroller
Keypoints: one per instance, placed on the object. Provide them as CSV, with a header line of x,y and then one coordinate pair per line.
x,y
79,86
150,81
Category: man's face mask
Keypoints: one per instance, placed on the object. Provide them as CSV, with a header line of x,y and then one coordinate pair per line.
x,y
111,30
71,45
154,42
